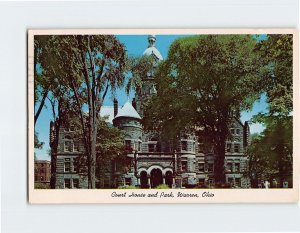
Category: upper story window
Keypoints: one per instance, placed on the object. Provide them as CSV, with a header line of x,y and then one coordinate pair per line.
x,y
76,146
237,167
236,148
151,147
184,166
184,145
238,131
232,131
228,147
68,144
210,167
67,166
128,144
229,167
201,167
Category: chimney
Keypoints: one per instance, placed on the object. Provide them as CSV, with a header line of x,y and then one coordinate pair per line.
x,y
115,107
134,103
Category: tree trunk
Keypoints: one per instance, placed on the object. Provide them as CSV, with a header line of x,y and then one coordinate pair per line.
x,y
36,116
219,161
54,148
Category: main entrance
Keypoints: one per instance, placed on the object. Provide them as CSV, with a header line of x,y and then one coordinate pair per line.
x,y
156,177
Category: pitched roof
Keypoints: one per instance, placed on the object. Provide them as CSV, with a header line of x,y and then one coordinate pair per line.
x,y
128,111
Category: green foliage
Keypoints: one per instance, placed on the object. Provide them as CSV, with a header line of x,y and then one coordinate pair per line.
x,y
79,70
110,147
162,186
139,68
204,83
270,153
127,187
37,143
41,186
276,54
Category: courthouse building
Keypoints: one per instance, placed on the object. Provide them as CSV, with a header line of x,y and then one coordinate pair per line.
x,y
185,163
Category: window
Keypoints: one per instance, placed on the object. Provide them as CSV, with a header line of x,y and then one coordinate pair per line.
x,y
201,167
67,166
151,147
230,180
228,147
184,166
128,144
232,131
229,167
76,146
76,183
127,181
238,182
237,131
184,145
201,181
68,146
237,167
236,148
211,182
210,167
67,183
76,165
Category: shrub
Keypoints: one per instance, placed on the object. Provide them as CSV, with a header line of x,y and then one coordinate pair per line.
x,y
162,186
41,186
127,187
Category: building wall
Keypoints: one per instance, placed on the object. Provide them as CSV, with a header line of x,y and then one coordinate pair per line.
x,y
42,171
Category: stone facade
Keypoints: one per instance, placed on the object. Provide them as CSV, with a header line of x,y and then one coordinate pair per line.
x,y
68,152
42,171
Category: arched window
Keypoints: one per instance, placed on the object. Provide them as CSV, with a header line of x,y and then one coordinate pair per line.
x,y
127,142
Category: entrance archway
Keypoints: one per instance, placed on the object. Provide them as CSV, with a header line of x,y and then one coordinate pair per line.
x,y
144,180
169,178
156,177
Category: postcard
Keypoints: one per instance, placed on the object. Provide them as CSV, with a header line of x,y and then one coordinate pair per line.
x,y
163,116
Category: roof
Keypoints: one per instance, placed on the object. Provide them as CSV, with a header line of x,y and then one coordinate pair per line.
x,y
108,111
128,111
152,50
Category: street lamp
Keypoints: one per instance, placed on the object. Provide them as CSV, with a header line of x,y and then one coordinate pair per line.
x,y
135,158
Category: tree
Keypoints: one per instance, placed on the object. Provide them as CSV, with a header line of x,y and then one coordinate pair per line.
x,y
203,85
37,143
270,153
87,67
272,150
111,151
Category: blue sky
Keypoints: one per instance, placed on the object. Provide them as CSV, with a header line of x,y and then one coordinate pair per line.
x,y
135,45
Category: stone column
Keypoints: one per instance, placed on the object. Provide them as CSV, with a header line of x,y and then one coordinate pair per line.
x,y
149,182
138,181
164,180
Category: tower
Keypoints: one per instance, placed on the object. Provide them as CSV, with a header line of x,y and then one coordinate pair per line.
x,y
148,85
128,120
